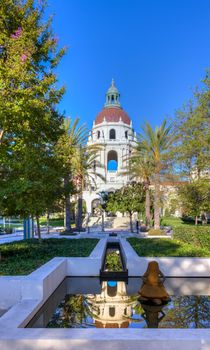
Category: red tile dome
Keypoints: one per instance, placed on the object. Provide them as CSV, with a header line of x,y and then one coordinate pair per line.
x,y
112,115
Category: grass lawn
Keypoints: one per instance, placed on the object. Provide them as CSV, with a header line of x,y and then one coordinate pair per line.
x,y
53,222
172,221
177,222
23,257
163,247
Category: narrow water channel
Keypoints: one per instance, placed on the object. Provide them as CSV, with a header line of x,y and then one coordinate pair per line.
x,y
113,266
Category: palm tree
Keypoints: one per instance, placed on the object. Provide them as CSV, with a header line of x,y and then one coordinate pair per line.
x,y
156,145
73,137
140,169
1,135
85,165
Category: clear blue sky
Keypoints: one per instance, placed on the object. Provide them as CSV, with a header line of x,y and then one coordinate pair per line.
x,y
156,50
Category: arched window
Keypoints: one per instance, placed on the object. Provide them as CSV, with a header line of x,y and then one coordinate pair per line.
x,y
126,134
112,289
112,311
112,161
112,134
98,134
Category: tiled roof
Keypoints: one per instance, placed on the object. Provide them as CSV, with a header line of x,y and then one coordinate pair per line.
x,y
112,114
99,324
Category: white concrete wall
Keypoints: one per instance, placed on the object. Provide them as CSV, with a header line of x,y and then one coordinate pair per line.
x,y
88,266
41,283
106,339
10,290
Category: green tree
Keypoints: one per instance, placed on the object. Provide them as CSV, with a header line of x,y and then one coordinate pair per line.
x,y
129,199
141,169
29,123
157,144
195,197
192,125
31,183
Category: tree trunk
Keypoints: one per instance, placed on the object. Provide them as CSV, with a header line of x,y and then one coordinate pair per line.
x,y
204,219
102,220
157,201
79,213
67,205
48,222
196,220
147,205
131,223
38,227
1,135
68,213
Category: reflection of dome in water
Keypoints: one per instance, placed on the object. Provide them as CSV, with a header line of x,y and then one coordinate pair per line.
x,y
124,324
112,289
113,306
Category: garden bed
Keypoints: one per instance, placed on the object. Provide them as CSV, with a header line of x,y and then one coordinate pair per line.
x,y
20,258
164,247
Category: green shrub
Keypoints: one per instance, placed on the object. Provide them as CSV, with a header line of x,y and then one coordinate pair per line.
x,y
196,236
164,247
20,258
113,262
156,232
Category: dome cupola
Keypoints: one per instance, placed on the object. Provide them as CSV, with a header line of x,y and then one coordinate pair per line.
x,y
112,96
112,111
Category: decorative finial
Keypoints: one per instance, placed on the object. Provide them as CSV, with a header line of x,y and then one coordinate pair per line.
x,y
112,96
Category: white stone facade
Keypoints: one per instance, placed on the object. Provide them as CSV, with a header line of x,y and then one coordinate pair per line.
x,y
113,132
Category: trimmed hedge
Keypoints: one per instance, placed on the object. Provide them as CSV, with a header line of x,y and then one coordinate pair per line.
x,y
195,236
166,247
23,257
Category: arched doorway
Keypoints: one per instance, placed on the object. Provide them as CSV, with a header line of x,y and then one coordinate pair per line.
x,y
95,206
112,161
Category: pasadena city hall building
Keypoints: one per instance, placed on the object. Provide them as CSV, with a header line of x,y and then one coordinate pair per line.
x,y
113,132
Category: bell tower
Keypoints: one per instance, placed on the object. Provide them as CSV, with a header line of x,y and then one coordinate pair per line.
x,y
112,96
113,132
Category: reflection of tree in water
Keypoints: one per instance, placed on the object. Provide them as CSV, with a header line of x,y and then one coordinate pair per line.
x,y
72,312
187,312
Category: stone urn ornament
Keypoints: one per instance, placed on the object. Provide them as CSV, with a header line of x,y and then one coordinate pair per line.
x,y
152,290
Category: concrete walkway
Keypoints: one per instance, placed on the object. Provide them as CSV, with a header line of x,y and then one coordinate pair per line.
x,y
11,238
53,234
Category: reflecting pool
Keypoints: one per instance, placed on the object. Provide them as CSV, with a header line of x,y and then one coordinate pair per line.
x,y
88,302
